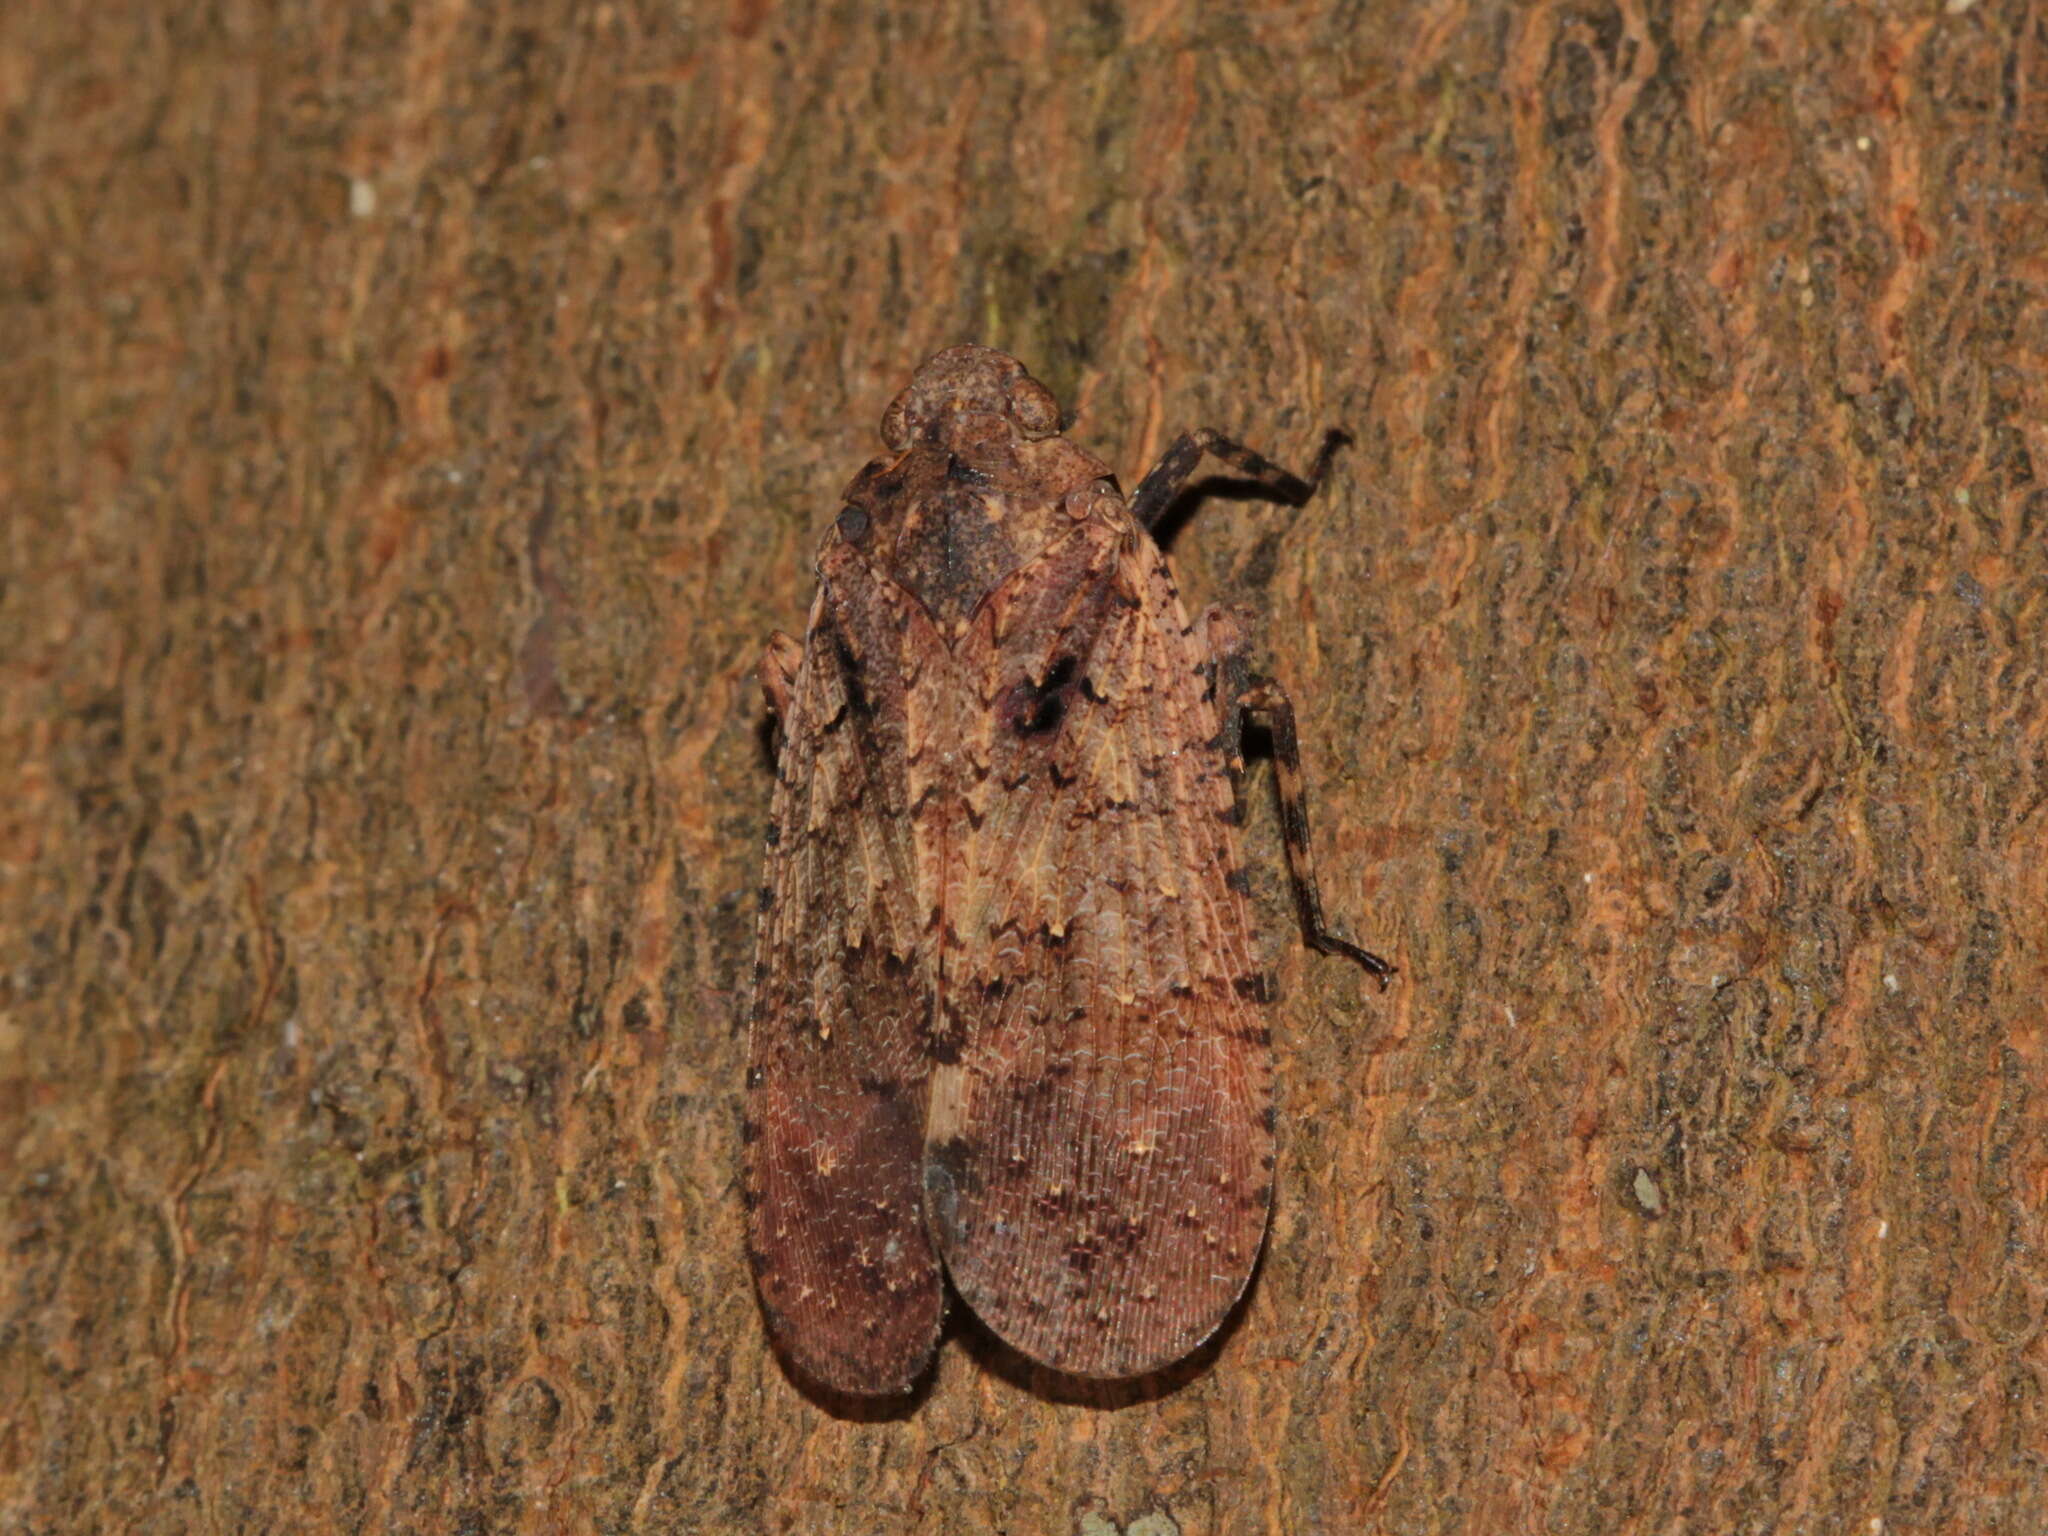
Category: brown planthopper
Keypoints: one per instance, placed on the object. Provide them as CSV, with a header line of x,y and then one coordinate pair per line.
x,y
1006,1023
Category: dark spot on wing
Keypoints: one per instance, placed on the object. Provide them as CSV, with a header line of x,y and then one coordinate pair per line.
x,y
1037,709
849,676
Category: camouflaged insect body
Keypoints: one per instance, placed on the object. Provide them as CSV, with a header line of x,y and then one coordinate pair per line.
x,y
1005,1022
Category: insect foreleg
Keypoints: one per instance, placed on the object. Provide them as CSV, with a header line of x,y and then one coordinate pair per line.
x,y
1169,477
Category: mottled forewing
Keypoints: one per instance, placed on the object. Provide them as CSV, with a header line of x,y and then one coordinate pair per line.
x,y
845,978
1100,1157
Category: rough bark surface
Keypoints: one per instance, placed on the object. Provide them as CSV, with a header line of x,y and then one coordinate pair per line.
x,y
415,417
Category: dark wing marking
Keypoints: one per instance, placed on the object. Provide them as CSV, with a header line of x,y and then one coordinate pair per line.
x,y
1099,1160
836,1101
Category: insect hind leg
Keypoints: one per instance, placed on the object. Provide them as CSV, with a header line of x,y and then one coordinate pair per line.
x,y
1240,693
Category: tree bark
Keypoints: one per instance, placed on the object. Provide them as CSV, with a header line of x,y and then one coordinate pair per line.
x,y
417,417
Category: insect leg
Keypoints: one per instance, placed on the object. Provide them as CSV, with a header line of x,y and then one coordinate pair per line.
x,y
780,659
1264,697
1225,634
1167,478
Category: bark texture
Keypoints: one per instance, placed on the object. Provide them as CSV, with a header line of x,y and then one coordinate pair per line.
x,y
415,417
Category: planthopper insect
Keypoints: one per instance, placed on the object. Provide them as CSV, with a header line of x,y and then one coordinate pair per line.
x,y
1006,1021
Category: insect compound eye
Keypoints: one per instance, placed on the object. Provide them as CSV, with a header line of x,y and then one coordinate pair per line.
x,y
896,424
854,525
1033,408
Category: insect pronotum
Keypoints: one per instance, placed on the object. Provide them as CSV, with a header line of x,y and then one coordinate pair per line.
x,y
1006,1023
